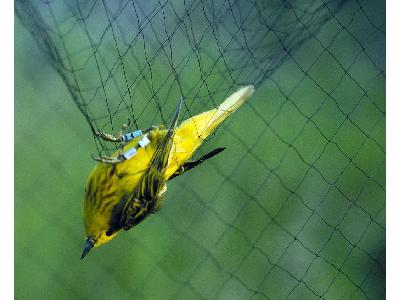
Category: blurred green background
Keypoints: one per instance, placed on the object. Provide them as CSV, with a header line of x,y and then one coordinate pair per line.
x,y
293,209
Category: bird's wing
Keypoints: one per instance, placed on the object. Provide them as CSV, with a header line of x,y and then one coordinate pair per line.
x,y
143,198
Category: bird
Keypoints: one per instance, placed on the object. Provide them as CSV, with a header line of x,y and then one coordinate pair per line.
x,y
125,188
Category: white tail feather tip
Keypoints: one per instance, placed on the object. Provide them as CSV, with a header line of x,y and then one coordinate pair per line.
x,y
237,98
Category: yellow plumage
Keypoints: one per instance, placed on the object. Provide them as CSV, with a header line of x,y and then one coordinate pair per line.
x,y
120,195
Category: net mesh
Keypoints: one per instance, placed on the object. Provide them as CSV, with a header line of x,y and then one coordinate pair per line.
x,y
297,208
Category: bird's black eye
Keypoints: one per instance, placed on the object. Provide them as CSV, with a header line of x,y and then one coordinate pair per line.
x,y
109,232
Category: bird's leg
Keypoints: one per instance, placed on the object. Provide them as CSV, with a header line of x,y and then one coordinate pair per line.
x,y
143,142
193,163
121,137
111,138
132,135
128,154
108,159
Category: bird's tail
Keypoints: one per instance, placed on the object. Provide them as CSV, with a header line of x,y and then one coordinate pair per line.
x,y
204,124
232,103
193,131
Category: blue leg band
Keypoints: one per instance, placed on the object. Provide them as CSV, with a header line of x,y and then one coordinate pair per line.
x,y
130,136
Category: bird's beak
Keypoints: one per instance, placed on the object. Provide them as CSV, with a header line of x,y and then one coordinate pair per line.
x,y
89,245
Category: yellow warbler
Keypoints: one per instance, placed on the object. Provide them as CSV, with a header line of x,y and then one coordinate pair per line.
x,y
125,188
